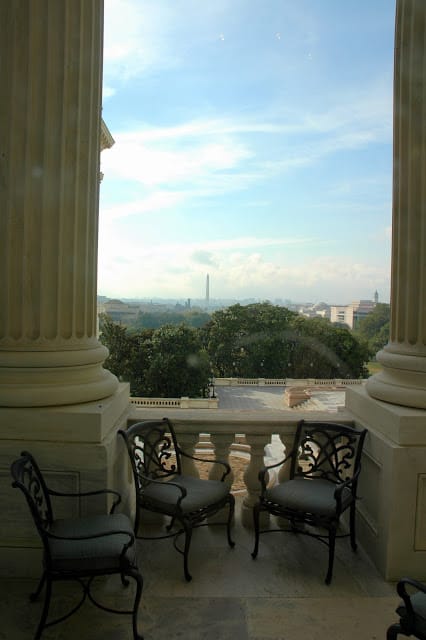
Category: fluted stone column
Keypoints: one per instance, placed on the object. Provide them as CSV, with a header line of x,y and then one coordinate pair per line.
x,y
403,379
50,75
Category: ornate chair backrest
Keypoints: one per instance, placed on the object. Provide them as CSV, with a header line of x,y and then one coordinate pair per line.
x,y
327,450
28,478
153,450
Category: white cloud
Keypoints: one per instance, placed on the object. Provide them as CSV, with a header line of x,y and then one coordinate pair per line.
x,y
204,157
155,201
132,158
107,91
135,39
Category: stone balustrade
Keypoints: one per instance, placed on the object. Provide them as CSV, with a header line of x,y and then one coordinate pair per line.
x,y
179,403
286,382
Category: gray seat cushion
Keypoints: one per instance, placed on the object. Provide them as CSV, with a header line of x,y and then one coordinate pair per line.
x,y
309,495
200,494
94,554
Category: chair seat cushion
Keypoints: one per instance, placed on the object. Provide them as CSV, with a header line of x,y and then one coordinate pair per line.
x,y
418,600
93,554
200,494
314,496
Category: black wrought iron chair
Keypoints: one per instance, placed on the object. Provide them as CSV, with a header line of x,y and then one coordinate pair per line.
x,y
324,470
161,486
79,548
411,611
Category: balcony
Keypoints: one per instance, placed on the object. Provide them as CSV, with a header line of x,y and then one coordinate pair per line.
x,y
279,596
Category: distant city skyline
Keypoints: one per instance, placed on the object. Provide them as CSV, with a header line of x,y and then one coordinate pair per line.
x,y
253,142
201,301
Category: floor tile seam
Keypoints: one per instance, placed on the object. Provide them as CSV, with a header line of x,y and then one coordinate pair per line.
x,y
319,598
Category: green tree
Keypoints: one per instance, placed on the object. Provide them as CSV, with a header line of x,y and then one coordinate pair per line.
x,y
262,340
374,329
249,341
323,350
165,362
157,319
179,365
129,353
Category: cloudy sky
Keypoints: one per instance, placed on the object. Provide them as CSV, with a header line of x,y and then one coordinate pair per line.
x,y
253,142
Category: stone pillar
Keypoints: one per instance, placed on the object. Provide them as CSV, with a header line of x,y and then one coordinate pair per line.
x,y
391,513
403,379
56,400
50,120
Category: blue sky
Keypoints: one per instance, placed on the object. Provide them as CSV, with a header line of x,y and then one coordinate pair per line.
x,y
253,142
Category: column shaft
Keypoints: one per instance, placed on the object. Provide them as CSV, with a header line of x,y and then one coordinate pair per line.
x,y
51,74
403,379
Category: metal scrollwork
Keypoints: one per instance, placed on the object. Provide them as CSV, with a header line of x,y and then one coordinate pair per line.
x,y
31,481
153,456
328,455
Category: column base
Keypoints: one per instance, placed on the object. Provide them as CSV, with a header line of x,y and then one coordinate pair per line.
x,y
77,449
54,378
391,511
402,380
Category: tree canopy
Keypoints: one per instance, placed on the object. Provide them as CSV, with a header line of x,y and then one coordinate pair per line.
x,y
374,329
257,340
263,340
156,319
166,362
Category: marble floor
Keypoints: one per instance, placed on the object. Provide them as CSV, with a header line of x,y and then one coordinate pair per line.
x,y
279,596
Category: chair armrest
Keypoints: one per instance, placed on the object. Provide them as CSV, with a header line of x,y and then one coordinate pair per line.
x,y
84,494
262,473
214,461
349,483
278,464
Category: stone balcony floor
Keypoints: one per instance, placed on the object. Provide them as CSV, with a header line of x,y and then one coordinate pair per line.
x,y
279,596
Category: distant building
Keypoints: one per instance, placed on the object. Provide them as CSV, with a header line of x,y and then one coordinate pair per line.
x,y
351,314
309,310
119,311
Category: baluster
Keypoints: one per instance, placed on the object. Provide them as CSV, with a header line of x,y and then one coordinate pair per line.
x,y
284,471
187,442
251,478
222,443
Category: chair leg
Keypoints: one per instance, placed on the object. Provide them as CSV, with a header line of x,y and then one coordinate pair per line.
x,y
188,536
45,611
35,595
352,526
139,587
230,517
256,510
331,546
393,631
